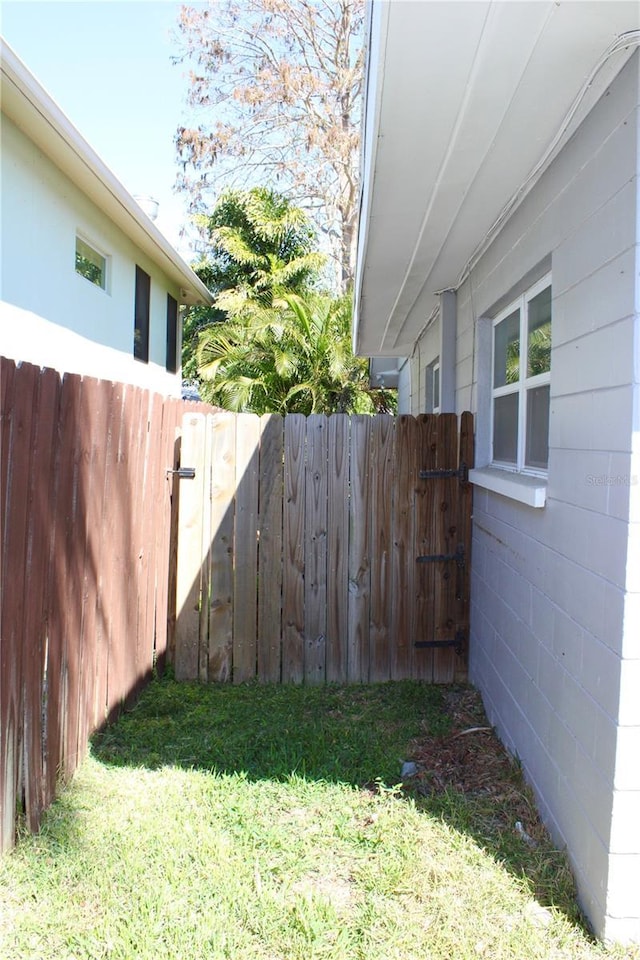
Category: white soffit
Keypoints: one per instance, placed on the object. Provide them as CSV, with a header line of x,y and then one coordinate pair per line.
x,y
31,108
463,101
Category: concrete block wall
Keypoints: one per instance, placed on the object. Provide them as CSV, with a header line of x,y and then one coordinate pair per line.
x,y
555,636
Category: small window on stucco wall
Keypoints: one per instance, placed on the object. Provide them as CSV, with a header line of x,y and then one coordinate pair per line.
x,y
141,316
90,263
172,334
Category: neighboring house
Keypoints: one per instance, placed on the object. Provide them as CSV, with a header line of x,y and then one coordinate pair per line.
x,y
499,253
88,284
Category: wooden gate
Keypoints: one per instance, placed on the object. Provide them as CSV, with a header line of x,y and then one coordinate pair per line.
x,y
324,549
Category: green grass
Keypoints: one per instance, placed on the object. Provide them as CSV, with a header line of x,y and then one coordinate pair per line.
x,y
257,823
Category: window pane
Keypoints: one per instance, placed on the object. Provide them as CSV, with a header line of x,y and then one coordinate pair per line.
x,y
436,386
539,339
506,350
90,263
141,316
505,428
537,447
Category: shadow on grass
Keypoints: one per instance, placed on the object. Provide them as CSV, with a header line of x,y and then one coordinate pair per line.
x,y
355,735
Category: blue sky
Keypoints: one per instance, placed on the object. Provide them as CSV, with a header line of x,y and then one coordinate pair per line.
x,y
107,63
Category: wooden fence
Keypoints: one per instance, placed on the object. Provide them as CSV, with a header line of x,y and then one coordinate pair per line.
x,y
297,548
85,541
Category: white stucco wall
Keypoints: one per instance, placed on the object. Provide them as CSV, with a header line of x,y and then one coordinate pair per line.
x,y
555,635
41,213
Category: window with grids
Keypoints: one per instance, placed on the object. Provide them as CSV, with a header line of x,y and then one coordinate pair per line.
x,y
521,381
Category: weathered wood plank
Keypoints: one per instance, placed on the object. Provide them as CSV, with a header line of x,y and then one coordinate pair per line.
x,y
270,548
245,614
315,567
448,536
337,547
205,569
223,488
293,547
165,572
7,744
382,486
40,519
93,425
359,555
426,574
190,549
117,533
109,449
404,554
15,573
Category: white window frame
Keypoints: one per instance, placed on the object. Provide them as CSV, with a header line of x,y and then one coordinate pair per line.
x,y
524,383
95,248
432,401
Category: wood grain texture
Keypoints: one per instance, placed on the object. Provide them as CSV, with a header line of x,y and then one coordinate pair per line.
x,y
404,548
315,575
427,543
337,547
293,625
223,487
270,548
190,549
382,490
245,614
359,555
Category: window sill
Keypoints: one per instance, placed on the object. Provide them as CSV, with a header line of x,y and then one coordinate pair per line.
x,y
516,486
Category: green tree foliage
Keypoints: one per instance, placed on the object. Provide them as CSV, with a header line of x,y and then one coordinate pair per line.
x,y
276,90
292,356
257,242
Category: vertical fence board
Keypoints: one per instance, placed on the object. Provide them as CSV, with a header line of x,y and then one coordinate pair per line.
x,y
36,610
382,487
223,460
172,580
426,520
270,548
117,533
13,599
93,416
293,546
449,536
153,518
7,755
359,545
112,403
337,547
315,566
190,549
404,552
205,552
245,614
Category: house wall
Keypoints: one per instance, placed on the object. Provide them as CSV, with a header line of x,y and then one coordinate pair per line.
x,y
555,636
413,399
42,211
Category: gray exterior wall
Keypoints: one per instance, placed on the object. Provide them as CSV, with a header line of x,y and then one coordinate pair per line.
x,y
555,640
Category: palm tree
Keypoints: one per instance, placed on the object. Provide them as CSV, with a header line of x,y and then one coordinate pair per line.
x,y
257,243
292,356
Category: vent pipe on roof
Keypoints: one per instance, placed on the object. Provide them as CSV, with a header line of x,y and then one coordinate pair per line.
x,y
149,205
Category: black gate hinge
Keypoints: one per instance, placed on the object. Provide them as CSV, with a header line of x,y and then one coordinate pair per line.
x,y
462,473
458,556
458,642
